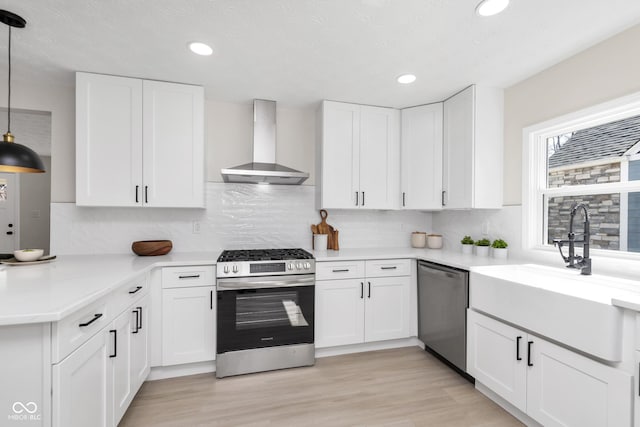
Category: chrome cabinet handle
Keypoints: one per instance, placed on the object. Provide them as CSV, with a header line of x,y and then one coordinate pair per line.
x,y
95,317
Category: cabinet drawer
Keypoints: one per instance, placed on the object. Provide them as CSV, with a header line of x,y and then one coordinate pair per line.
x,y
181,277
388,267
125,295
339,270
75,329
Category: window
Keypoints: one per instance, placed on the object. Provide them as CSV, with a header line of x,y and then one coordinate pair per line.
x,y
592,156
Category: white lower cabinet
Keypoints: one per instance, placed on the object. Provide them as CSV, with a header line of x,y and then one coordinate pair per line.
x,y
82,385
551,384
96,383
357,310
188,325
339,312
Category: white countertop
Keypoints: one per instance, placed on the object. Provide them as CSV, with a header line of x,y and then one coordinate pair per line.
x,y
49,292
439,256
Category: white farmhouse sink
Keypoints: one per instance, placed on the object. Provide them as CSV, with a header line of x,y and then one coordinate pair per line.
x,y
556,303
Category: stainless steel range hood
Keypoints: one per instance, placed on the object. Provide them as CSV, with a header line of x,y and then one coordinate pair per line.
x,y
264,169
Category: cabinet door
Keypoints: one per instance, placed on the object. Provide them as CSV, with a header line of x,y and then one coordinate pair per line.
x,y
421,157
387,308
458,167
121,364
188,325
140,344
339,312
340,151
567,389
496,357
108,133
379,158
82,385
173,145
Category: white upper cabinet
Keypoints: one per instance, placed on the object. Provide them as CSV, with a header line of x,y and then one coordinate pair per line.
x,y
473,146
138,142
108,140
421,157
359,157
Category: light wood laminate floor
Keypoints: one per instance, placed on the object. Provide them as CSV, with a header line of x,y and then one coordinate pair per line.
x,y
399,387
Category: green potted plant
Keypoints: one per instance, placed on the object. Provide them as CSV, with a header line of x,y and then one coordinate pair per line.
x,y
499,249
482,247
467,245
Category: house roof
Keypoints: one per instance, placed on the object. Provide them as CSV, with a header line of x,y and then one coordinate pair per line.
x,y
609,140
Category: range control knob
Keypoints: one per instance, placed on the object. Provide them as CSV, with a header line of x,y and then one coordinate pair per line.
x,y
290,266
226,269
307,265
235,268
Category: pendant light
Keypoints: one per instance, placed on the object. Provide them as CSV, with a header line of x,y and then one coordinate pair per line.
x,y
15,157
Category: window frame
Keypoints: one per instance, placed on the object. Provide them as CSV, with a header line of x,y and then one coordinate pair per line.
x,y
534,171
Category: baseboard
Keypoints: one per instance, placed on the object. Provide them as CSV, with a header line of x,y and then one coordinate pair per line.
x,y
500,401
372,346
163,372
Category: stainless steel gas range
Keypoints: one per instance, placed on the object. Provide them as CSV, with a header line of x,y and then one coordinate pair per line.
x,y
265,310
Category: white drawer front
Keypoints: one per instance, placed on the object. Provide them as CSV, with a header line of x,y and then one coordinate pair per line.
x,y
339,270
388,267
127,294
184,277
75,329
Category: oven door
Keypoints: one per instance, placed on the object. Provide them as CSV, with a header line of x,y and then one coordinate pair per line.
x,y
257,312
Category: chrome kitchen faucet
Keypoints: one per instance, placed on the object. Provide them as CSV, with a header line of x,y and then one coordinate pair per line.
x,y
576,261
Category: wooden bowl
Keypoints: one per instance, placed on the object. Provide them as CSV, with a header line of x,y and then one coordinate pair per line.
x,y
151,247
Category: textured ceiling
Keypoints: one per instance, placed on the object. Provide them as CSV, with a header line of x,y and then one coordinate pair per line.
x,y
300,51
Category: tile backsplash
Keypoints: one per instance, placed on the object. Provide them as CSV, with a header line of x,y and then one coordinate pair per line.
x,y
236,216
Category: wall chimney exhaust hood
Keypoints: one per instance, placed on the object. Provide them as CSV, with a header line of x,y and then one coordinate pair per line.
x,y
264,169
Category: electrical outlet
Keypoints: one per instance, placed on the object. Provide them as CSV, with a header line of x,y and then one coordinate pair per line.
x,y
485,228
196,227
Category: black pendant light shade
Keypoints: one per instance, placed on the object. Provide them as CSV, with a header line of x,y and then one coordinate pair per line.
x,y
15,157
19,158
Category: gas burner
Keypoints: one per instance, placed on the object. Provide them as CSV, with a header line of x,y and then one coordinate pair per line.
x,y
263,255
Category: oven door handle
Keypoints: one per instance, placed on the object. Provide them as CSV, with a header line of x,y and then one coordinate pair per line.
x,y
236,284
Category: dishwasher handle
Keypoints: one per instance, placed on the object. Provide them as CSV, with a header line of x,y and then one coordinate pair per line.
x,y
441,270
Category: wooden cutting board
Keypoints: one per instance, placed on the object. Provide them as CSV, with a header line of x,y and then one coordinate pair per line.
x,y
324,228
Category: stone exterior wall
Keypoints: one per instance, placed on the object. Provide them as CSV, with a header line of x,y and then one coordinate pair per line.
x,y
604,209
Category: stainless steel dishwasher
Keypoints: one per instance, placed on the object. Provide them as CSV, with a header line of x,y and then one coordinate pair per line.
x,y
443,298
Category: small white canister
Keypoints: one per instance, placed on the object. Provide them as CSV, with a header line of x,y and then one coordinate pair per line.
x,y
320,242
418,239
434,241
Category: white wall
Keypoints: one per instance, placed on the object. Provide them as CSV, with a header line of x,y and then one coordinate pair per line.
x,y
236,216
605,71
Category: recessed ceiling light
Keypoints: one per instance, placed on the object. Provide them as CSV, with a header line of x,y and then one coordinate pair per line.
x,y
491,7
406,79
200,48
